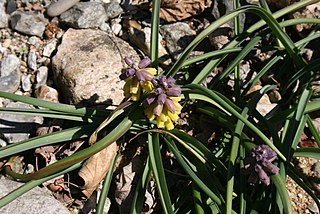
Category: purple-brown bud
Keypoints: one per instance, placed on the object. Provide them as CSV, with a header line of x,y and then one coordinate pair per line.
x,y
129,61
144,62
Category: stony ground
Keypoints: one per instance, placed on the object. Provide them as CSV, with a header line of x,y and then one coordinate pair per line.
x,y
32,63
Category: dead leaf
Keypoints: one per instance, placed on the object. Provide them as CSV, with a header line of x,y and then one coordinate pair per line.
x,y
95,168
176,10
126,186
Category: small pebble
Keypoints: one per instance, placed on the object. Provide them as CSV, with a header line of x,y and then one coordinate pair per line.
x,y
26,82
32,60
6,43
42,76
50,47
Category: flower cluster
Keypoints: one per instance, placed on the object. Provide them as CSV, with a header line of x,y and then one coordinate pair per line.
x,y
162,104
137,77
259,163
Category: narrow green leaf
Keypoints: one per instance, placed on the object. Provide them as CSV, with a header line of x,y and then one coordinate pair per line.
x,y
106,186
113,135
282,190
139,196
158,172
84,111
31,184
307,152
155,24
55,137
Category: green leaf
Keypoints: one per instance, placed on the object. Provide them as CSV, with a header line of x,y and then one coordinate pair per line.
x,y
307,152
158,172
31,184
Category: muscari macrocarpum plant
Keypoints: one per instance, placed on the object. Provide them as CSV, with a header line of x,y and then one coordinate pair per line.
x,y
247,171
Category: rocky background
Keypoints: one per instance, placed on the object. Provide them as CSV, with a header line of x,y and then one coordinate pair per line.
x,y
71,51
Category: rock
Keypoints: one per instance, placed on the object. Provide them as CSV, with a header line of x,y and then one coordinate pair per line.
x,y
33,40
81,15
26,82
42,76
11,6
32,60
89,59
316,169
47,93
316,123
10,74
60,6
220,37
35,201
50,47
221,8
141,37
177,36
275,96
16,128
3,15
311,11
113,9
264,109
30,23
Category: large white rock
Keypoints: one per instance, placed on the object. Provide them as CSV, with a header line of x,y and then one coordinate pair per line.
x,y
34,201
88,64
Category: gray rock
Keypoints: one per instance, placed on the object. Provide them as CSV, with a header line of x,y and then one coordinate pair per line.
x,y
10,74
177,36
32,60
316,169
30,23
113,9
35,201
221,8
26,82
58,7
50,47
89,59
33,40
11,6
141,38
16,128
82,16
42,76
3,15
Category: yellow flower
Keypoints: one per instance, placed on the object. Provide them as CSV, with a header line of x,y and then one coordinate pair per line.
x,y
137,78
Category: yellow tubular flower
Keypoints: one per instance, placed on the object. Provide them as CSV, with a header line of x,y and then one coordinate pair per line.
x,y
137,77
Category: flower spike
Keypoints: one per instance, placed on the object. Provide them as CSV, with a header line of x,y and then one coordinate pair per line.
x,y
137,77
259,163
162,105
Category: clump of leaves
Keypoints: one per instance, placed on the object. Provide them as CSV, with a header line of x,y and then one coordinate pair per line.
x,y
215,183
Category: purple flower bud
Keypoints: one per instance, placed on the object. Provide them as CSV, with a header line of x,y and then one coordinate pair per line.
x,y
158,109
163,82
264,177
146,75
171,81
140,76
128,73
174,91
270,167
161,99
129,61
144,63
159,91
170,105
151,98
154,81
259,163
